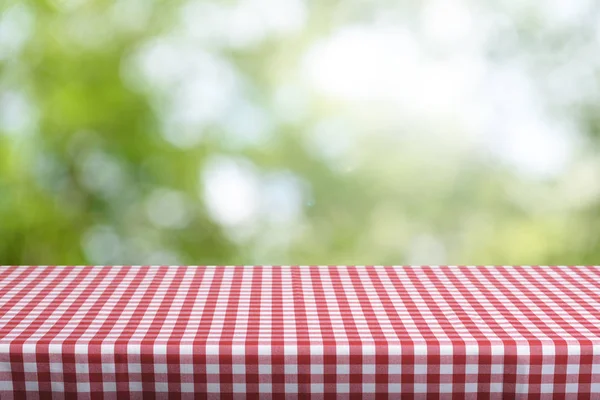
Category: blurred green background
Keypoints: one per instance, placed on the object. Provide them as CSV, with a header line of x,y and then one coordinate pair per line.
x,y
299,132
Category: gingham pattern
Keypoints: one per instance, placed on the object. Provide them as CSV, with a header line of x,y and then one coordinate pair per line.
x,y
244,332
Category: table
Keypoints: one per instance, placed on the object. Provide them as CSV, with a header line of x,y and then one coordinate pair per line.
x,y
279,332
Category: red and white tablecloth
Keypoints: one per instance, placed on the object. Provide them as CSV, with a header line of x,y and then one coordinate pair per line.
x,y
262,332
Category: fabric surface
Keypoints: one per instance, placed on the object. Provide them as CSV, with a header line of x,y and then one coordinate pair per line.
x,y
262,332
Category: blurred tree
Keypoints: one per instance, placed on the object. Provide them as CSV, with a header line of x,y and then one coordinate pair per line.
x,y
290,131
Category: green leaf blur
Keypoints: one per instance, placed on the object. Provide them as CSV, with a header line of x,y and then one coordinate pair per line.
x,y
299,132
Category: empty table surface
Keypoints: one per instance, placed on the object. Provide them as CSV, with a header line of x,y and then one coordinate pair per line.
x,y
284,331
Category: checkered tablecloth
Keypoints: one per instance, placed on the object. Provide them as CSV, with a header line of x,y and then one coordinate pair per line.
x,y
271,332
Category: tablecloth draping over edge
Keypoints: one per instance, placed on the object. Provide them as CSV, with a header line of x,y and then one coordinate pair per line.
x,y
237,332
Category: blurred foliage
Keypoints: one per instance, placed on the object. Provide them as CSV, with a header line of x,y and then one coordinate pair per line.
x,y
101,161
